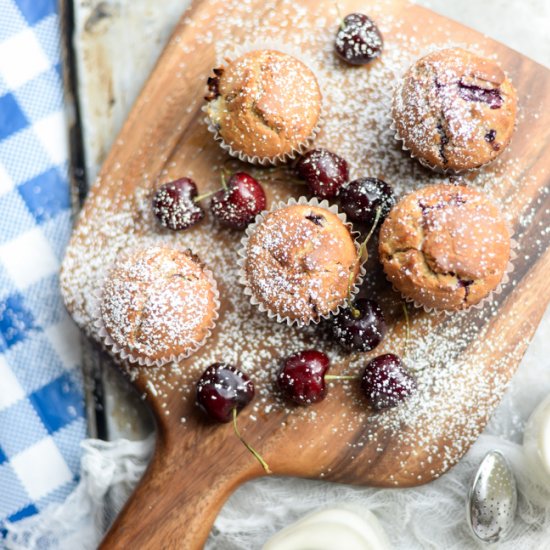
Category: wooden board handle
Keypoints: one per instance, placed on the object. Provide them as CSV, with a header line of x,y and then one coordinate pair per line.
x,y
181,493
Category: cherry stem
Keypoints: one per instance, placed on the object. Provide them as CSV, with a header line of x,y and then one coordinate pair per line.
x,y
361,252
229,165
340,377
210,193
249,447
204,196
339,13
407,328
373,227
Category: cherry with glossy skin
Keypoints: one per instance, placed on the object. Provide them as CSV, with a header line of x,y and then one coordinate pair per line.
x,y
361,198
323,171
302,377
386,382
221,389
240,202
222,392
174,204
360,327
358,40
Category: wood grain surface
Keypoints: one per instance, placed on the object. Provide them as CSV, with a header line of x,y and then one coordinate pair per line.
x,y
196,465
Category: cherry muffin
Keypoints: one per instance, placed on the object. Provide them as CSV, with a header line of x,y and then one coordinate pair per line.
x,y
445,247
455,110
300,263
159,304
264,107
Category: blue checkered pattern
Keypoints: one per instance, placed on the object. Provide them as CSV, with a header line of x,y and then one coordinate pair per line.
x,y
41,399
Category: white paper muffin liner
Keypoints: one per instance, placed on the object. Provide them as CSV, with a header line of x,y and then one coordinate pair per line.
x,y
438,169
483,302
125,356
238,51
243,280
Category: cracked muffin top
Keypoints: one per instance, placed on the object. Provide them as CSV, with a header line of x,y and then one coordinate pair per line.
x,y
455,110
445,247
264,104
158,303
301,262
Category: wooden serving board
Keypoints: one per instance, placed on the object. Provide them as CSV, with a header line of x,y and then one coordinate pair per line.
x,y
463,362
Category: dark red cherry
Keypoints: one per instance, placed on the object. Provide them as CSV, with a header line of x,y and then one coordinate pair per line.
x,y
323,171
358,40
361,198
386,382
238,204
222,388
302,378
359,328
174,205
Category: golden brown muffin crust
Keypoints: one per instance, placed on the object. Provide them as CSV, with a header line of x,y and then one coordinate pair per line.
x,y
455,110
445,246
265,103
158,302
300,262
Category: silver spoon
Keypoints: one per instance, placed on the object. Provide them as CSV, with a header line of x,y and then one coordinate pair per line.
x,y
492,499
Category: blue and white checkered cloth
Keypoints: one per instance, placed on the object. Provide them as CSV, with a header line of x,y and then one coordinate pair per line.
x,y
41,400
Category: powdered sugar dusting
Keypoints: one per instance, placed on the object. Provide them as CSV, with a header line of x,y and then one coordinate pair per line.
x,y
158,304
301,262
445,247
265,103
455,110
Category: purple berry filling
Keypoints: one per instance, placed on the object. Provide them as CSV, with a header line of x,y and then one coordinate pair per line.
x,y
492,97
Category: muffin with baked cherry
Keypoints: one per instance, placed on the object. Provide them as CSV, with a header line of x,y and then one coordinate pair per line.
x,y
300,262
158,305
264,107
445,247
455,110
